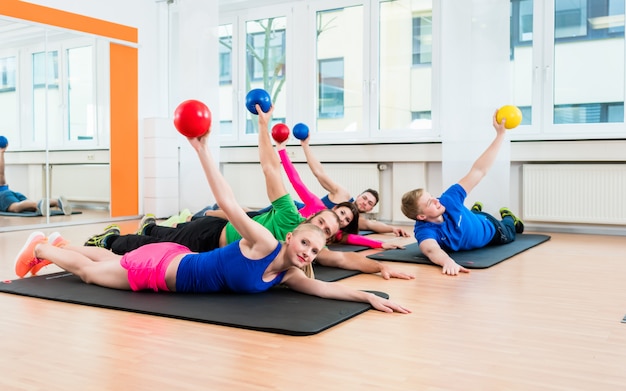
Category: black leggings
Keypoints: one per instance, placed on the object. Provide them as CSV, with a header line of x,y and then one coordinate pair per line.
x,y
199,235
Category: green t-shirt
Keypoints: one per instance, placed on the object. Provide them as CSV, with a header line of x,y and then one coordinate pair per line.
x,y
283,218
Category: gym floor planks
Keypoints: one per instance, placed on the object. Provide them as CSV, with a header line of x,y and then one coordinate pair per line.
x,y
547,319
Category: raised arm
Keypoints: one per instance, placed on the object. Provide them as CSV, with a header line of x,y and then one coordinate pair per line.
x,y
484,162
254,234
312,202
268,158
336,192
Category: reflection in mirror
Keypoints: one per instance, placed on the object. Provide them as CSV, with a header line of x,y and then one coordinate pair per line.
x,y
54,110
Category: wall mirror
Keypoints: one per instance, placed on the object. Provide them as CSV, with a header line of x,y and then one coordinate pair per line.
x,y
77,98
54,100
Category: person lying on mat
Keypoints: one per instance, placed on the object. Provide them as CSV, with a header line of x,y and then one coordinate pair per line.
x,y
347,211
364,202
16,202
445,224
207,233
254,263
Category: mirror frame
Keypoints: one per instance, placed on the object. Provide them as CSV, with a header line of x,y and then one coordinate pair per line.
x,y
124,94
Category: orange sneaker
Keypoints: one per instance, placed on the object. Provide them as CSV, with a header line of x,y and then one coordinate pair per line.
x,y
26,259
54,239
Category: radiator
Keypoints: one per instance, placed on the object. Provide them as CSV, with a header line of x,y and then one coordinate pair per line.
x,y
248,182
575,193
88,183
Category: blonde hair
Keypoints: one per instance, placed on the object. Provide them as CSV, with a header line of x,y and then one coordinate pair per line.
x,y
409,205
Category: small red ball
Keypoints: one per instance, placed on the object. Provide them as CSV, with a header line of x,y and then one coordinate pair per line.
x,y
280,132
192,118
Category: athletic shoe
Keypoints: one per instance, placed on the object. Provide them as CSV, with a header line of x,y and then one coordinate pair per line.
x,y
519,224
64,205
147,220
184,215
99,240
477,207
170,222
26,258
54,239
43,207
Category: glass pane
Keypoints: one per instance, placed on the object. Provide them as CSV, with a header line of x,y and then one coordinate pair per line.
x,y
81,110
589,43
46,96
226,78
340,69
265,62
521,53
8,100
405,100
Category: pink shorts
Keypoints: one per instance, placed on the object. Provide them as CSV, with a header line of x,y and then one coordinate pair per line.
x,y
147,265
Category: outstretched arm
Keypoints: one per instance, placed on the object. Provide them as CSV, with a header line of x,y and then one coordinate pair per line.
x,y
336,193
380,227
356,261
296,280
484,162
268,158
433,251
259,239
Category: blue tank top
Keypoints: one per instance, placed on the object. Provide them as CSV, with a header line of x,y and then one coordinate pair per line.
x,y
225,269
329,204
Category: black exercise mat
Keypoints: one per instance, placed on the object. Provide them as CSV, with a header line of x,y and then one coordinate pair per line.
x,y
330,274
37,214
279,310
366,232
472,259
346,247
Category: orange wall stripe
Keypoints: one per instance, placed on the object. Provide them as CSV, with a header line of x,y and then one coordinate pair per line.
x,y
54,17
124,133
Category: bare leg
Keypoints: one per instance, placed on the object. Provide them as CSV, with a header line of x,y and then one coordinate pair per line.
x,y
3,179
103,269
26,205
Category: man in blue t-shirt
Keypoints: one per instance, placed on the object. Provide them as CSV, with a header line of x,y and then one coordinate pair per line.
x,y
444,224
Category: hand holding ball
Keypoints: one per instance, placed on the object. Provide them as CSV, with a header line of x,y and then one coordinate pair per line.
x,y
280,132
192,118
260,97
3,142
301,131
512,115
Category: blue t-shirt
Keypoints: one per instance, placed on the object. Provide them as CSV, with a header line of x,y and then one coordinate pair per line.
x,y
225,269
461,229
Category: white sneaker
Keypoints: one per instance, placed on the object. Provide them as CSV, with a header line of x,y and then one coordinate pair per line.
x,y
64,205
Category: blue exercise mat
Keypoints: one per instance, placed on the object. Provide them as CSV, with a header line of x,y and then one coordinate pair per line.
x,y
472,259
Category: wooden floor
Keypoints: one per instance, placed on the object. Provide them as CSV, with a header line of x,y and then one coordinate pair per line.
x,y
547,319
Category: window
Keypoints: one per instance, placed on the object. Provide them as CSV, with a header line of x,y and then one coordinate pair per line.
x,y
340,74
226,54
331,88
423,39
405,67
266,62
81,105
8,98
46,125
581,37
226,67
